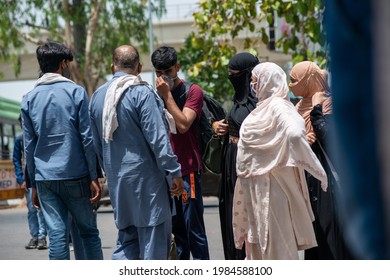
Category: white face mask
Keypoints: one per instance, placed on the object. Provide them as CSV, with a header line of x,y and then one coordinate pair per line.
x,y
169,80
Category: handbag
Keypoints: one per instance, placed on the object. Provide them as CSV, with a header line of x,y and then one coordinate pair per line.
x,y
213,154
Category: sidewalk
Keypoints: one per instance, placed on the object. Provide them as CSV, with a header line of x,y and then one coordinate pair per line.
x,y
11,203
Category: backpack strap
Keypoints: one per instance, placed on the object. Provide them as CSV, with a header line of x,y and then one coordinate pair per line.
x,y
182,98
187,89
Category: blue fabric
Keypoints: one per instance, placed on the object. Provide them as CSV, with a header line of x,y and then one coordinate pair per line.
x,y
58,199
36,221
17,159
138,159
77,242
145,243
349,27
188,224
57,136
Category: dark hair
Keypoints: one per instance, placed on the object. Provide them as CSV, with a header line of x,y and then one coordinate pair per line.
x,y
164,57
50,56
126,57
20,118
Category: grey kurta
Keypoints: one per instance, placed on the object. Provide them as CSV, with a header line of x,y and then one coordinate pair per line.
x,y
138,159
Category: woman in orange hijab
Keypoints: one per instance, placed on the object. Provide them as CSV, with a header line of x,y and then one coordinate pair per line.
x,y
311,83
307,79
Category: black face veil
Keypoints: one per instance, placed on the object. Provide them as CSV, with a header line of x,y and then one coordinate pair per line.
x,y
244,101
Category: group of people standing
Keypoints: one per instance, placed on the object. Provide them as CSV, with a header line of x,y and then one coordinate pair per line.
x,y
278,191
147,144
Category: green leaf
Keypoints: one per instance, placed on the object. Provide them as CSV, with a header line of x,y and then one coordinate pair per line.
x,y
118,22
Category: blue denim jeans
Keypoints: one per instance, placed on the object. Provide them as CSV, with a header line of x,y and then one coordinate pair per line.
x,y
188,224
36,221
58,199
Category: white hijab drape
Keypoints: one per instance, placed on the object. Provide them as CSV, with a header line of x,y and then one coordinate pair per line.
x,y
272,136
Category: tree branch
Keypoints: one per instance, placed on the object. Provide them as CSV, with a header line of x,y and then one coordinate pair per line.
x,y
92,24
29,38
68,27
27,23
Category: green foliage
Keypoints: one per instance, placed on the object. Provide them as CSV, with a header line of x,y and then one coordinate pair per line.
x,y
91,28
207,67
218,23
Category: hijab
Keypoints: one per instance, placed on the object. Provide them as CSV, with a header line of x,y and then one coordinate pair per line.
x,y
306,80
272,137
243,101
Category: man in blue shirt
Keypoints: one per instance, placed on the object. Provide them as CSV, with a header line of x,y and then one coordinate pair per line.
x,y
36,221
133,147
59,153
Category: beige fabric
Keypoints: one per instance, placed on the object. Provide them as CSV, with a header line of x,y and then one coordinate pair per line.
x,y
51,78
306,80
290,216
272,137
113,95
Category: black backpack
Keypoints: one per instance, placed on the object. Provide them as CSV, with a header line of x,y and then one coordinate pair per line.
x,y
212,110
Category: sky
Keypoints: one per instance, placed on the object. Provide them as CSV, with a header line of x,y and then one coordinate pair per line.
x,y
16,89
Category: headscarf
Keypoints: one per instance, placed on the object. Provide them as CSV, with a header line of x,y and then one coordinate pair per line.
x,y
273,136
308,79
264,133
243,101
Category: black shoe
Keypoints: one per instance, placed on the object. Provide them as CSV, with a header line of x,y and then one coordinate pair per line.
x,y
32,244
42,244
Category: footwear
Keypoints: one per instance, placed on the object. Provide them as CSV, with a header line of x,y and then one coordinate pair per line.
x,y
32,244
42,244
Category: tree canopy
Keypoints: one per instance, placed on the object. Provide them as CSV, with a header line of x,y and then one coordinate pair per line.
x,y
92,29
219,23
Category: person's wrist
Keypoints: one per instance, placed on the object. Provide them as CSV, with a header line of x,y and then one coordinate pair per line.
x,y
213,125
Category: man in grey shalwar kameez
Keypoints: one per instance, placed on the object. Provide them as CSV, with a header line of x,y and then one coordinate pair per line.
x,y
133,148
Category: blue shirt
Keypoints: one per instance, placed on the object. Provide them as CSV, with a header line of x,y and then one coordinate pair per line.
x,y
17,159
57,136
138,159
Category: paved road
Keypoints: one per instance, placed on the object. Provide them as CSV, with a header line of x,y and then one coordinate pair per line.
x,y
14,232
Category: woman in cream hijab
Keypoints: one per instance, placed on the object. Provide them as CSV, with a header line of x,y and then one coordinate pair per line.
x,y
271,208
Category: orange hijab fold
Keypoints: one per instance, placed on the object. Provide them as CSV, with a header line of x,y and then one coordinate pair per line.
x,y
306,80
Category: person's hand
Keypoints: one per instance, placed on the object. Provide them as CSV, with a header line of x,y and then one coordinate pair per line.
x,y
220,127
311,137
24,187
96,191
34,198
318,98
162,88
177,186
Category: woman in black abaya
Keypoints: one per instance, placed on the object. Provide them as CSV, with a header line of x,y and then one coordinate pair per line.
x,y
244,101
